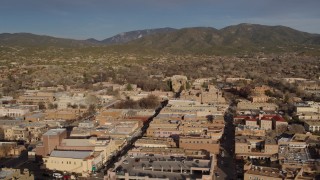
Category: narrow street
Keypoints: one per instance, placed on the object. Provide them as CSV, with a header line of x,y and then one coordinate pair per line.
x,y
226,162
129,144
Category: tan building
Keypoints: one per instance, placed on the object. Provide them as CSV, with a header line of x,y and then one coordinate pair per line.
x,y
198,143
65,114
252,122
9,174
247,105
106,147
16,133
249,131
260,173
259,99
29,132
266,124
36,97
80,162
272,122
312,125
162,132
212,95
13,111
155,142
50,140
233,80
260,90
35,117
10,149
252,146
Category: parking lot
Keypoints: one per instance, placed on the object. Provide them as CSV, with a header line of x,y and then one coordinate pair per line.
x,y
163,166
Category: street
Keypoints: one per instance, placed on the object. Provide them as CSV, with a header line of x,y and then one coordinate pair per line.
x,y
226,161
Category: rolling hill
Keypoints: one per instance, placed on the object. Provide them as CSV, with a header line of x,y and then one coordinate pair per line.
x,y
133,35
242,37
33,40
197,40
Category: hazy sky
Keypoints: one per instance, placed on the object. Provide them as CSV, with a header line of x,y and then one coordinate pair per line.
x,y
82,19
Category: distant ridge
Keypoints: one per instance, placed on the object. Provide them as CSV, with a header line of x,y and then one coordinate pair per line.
x,y
196,40
133,35
250,37
33,40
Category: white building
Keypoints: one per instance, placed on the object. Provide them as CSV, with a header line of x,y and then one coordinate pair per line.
x,y
13,111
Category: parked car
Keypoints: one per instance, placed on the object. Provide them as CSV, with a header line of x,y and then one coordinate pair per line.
x,y
57,175
125,162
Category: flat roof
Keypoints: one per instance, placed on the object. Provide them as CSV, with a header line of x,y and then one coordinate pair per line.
x,y
53,132
77,142
153,166
4,173
71,154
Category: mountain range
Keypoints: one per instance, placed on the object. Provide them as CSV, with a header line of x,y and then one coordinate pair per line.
x,y
231,39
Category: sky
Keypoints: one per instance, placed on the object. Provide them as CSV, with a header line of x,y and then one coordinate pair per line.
x,y
100,19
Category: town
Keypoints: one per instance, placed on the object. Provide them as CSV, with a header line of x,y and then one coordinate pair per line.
x,y
203,128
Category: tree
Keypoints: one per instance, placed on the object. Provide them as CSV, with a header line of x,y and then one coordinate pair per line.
x,y
281,128
52,106
151,101
296,128
169,84
245,92
5,149
205,85
92,99
92,109
41,106
188,86
129,87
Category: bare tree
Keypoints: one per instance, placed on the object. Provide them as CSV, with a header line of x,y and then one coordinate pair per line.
x,y
296,128
5,149
281,128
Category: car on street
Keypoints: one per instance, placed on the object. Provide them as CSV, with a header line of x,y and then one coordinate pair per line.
x,y
57,175
125,162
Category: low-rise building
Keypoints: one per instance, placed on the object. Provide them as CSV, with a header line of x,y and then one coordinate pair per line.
x,y
199,142
35,117
252,122
80,162
260,172
50,141
255,146
162,167
312,125
155,142
36,98
249,131
9,174
16,133
86,124
10,149
64,114
247,105
13,111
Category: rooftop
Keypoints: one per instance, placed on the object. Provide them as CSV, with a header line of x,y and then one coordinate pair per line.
x,y
265,171
160,166
71,154
53,132
246,139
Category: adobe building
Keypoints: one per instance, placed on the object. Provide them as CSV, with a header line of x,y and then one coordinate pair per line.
x,y
50,141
